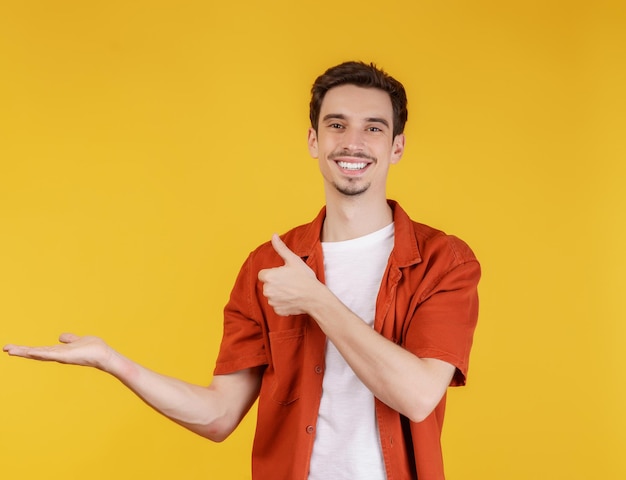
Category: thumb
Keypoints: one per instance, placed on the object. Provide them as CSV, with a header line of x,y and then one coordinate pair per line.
x,y
283,250
68,338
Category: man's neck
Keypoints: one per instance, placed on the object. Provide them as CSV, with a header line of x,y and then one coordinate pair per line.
x,y
354,217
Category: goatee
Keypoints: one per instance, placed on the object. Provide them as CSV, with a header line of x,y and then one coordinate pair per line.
x,y
351,190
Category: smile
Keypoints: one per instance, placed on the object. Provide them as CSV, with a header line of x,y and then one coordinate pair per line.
x,y
352,165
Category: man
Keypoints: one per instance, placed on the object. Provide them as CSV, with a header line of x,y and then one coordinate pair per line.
x,y
348,329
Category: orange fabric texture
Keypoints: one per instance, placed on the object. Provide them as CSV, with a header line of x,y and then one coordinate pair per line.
x,y
427,303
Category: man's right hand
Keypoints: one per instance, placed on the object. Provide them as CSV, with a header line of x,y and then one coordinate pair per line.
x,y
212,411
87,351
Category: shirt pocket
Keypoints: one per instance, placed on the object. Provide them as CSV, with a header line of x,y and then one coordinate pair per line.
x,y
287,347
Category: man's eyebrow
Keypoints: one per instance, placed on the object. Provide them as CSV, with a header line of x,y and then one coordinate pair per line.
x,y
341,116
332,116
378,120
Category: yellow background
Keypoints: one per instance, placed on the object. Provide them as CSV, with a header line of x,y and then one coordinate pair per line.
x,y
146,147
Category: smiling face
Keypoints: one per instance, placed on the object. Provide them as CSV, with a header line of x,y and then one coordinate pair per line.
x,y
354,141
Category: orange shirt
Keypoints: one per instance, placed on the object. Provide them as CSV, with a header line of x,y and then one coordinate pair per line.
x,y
427,303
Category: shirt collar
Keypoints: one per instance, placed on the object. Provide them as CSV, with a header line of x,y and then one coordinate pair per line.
x,y
405,251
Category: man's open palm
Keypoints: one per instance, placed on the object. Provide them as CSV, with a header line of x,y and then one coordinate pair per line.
x,y
87,351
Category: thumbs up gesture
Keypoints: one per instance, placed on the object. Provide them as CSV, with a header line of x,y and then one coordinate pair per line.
x,y
289,289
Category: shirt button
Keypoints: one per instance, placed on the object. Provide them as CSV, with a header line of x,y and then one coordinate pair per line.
x,y
318,369
309,429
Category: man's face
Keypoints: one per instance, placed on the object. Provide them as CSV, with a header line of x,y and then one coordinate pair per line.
x,y
354,142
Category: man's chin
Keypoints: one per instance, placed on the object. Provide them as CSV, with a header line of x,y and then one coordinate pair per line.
x,y
352,190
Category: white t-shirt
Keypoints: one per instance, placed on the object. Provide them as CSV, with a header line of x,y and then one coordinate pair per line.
x,y
347,444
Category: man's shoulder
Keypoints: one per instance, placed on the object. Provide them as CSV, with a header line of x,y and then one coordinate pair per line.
x,y
431,242
433,239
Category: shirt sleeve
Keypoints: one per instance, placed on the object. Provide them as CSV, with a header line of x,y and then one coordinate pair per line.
x,y
243,340
444,321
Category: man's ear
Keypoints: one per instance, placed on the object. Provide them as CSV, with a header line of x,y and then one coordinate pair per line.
x,y
397,148
312,142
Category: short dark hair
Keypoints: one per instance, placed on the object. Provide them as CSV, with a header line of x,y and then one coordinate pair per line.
x,y
362,75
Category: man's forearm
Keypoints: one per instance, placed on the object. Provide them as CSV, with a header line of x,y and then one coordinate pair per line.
x,y
410,385
212,411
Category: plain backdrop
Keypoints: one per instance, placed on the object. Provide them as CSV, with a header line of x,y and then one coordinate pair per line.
x,y
147,146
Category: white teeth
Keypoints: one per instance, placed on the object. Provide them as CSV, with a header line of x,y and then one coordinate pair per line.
x,y
352,166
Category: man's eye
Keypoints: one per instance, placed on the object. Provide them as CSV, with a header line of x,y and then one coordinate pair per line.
x,y
374,129
336,125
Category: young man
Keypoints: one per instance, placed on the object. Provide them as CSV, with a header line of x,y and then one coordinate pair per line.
x,y
348,329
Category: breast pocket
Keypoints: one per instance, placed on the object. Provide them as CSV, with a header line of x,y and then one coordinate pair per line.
x,y
287,356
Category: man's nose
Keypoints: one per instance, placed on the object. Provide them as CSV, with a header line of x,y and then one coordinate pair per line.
x,y
353,140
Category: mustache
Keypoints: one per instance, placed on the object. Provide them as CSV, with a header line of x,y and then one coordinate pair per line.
x,y
348,153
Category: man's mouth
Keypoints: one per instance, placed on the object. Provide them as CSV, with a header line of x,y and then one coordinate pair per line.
x,y
352,166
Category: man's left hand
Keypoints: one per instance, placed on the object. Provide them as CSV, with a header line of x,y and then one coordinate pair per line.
x,y
288,288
